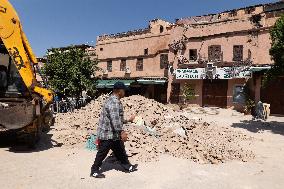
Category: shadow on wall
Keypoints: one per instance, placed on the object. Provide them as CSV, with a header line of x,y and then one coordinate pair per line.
x,y
258,126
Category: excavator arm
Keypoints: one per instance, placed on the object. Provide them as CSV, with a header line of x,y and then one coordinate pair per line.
x,y
16,43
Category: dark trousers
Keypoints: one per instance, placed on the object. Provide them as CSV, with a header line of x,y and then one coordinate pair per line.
x,y
118,148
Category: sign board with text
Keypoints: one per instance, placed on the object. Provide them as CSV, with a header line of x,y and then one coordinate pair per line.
x,y
189,73
221,73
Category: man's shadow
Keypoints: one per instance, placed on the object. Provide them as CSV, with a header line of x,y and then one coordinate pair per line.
x,y
112,163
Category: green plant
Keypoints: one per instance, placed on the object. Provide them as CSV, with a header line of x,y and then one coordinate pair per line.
x,y
249,103
71,71
276,51
189,92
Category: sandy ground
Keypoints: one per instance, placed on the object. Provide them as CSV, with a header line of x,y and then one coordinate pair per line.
x,y
54,167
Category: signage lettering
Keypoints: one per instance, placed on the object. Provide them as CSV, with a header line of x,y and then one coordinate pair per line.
x,y
221,73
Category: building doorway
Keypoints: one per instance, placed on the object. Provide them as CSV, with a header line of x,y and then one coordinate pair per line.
x,y
214,93
273,94
160,93
174,98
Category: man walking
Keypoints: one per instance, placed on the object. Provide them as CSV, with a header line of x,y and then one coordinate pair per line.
x,y
110,133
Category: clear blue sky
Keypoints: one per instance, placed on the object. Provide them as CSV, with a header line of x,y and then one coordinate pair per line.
x,y
56,23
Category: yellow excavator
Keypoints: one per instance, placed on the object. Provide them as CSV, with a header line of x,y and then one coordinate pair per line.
x,y
23,100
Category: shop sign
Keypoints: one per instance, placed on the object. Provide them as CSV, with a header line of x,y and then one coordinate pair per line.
x,y
221,73
189,73
233,72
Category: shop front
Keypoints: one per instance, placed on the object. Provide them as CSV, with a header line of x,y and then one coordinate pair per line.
x,y
106,86
222,87
152,88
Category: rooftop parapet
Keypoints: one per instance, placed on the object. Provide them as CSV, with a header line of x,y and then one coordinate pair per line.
x,y
232,14
124,34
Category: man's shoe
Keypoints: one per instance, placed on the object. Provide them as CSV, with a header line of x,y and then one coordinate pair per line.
x,y
97,175
130,168
133,168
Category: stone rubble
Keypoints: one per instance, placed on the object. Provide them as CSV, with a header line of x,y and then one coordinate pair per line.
x,y
166,131
74,128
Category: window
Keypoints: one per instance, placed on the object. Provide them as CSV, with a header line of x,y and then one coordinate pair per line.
x,y
161,29
164,60
146,51
139,64
109,66
239,96
256,19
214,53
101,49
10,79
249,54
238,51
123,65
192,54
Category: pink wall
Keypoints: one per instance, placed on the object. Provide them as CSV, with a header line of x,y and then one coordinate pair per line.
x,y
226,30
151,68
132,47
226,34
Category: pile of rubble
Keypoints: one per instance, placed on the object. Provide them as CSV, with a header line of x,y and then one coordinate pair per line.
x,y
164,131
179,134
75,127
200,141
149,109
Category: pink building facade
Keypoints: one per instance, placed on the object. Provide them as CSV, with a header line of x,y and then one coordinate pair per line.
x,y
134,57
217,56
229,50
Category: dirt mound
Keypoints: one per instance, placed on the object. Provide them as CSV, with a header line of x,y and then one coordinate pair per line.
x,y
164,131
75,127
200,141
150,110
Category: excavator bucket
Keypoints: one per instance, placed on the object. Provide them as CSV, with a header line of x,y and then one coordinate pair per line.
x,y
16,115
